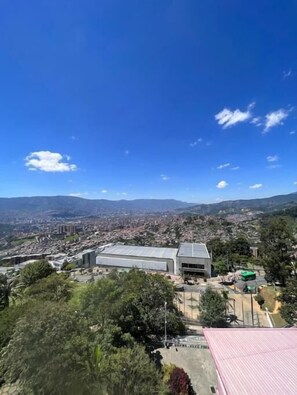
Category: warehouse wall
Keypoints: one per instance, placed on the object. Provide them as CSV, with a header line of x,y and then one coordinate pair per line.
x,y
166,265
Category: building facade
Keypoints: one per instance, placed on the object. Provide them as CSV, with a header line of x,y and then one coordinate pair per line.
x,y
193,259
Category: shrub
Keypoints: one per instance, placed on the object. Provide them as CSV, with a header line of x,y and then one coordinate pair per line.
x,y
259,298
180,383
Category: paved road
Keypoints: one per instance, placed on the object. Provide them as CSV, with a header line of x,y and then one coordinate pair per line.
x,y
194,288
260,280
198,363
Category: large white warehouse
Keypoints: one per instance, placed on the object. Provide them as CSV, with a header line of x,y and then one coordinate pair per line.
x,y
189,258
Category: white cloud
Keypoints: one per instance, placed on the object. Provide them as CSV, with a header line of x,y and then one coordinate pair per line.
x,y
164,177
273,166
78,194
272,158
275,118
256,121
194,143
292,132
287,74
222,184
49,162
228,118
256,186
223,166
104,191
235,168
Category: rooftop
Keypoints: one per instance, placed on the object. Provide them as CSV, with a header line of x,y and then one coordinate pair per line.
x,y
193,250
254,361
151,252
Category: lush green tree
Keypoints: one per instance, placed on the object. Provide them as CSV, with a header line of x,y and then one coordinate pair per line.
x,y
126,371
234,250
48,351
212,309
54,351
55,287
276,245
8,321
179,383
135,302
35,271
221,268
239,246
288,298
217,248
237,259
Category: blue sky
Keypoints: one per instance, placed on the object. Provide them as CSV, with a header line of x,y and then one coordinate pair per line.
x,y
193,100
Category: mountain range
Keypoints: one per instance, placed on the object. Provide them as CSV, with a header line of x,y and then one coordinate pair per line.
x,y
70,206
266,205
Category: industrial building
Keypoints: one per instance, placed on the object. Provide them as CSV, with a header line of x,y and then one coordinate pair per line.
x,y
189,258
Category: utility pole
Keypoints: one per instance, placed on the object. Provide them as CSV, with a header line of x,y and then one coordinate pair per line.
x,y
165,339
252,307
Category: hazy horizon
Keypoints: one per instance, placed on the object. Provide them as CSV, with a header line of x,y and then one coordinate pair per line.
x,y
141,198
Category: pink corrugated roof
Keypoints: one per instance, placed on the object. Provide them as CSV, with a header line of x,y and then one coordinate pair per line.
x,y
256,361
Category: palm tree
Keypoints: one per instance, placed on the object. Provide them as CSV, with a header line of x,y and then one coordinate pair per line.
x,y
4,291
10,290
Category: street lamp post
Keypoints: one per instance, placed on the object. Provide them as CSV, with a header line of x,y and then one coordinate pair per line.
x,y
165,338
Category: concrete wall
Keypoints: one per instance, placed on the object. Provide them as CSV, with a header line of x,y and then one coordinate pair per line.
x,y
88,259
206,262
